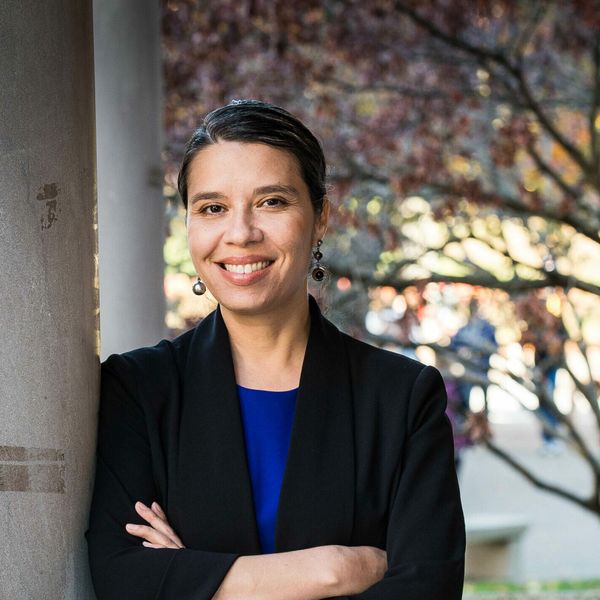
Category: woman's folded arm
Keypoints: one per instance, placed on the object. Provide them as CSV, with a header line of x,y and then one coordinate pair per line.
x,y
310,574
124,567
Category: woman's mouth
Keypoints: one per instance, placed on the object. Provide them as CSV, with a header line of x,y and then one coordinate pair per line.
x,y
247,273
247,268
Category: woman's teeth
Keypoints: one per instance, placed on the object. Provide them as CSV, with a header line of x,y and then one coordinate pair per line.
x,y
247,268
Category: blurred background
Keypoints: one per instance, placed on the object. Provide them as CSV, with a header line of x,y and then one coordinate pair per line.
x,y
463,141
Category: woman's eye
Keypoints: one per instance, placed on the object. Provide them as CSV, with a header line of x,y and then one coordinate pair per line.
x,y
212,209
274,202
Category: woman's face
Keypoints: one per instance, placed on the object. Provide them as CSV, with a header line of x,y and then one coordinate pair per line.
x,y
251,225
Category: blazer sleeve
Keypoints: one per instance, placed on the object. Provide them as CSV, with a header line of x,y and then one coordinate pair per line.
x,y
120,566
426,532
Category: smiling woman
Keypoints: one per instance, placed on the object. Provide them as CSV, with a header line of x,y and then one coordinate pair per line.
x,y
265,454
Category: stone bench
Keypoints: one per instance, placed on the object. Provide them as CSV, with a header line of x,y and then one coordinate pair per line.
x,y
494,547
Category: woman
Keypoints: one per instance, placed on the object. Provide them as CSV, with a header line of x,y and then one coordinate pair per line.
x,y
265,454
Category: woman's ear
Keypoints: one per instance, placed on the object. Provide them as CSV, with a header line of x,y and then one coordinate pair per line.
x,y
322,219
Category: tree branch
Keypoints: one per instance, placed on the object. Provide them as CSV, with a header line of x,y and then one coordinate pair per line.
x,y
516,71
591,504
528,31
583,227
545,122
545,168
482,53
547,402
516,284
587,391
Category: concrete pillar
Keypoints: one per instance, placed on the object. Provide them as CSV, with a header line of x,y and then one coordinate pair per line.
x,y
130,203
48,299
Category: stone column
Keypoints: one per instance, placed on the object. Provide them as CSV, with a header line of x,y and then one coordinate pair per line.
x,y
130,203
48,298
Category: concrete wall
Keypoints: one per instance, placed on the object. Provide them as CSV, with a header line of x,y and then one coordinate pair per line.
x,y
48,355
130,203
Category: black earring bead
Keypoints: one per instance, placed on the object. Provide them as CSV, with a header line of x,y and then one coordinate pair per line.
x,y
318,273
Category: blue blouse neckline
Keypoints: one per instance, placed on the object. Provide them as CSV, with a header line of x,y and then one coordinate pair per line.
x,y
268,391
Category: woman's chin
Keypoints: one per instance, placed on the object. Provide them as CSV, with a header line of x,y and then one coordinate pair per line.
x,y
244,300
247,301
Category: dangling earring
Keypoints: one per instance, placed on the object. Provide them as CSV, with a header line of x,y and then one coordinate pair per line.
x,y
318,272
199,288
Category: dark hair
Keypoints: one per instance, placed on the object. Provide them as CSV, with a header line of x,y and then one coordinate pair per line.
x,y
259,122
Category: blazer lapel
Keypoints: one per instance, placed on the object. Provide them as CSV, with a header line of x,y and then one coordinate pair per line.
x,y
212,464
316,504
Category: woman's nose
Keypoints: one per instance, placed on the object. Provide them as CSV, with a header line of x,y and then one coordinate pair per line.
x,y
242,228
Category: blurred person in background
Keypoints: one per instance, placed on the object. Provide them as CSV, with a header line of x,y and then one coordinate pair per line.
x,y
548,359
474,344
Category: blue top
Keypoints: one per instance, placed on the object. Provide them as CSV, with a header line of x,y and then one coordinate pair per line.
x,y
267,418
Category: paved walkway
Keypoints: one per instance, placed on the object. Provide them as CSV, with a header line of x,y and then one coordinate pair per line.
x,y
563,541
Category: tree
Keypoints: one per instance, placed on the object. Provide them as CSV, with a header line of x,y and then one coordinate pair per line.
x,y
465,139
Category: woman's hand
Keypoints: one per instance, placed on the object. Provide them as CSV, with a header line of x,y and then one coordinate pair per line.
x,y
158,534
357,568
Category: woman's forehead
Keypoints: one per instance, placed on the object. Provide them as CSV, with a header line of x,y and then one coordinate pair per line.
x,y
228,163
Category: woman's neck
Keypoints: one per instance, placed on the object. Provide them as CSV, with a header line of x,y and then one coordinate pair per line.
x,y
268,349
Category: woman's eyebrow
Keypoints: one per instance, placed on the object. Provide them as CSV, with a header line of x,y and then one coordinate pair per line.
x,y
206,196
277,188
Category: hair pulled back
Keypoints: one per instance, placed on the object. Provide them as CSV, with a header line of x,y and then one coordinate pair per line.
x,y
253,121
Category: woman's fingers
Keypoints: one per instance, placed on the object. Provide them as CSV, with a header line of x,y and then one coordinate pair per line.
x,y
158,510
158,522
156,517
151,535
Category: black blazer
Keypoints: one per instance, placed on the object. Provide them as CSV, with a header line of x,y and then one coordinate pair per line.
x,y
370,463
